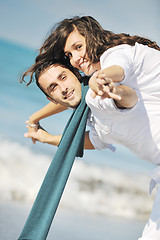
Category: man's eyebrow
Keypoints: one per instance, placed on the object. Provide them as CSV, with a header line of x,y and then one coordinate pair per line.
x,y
50,86
53,84
61,74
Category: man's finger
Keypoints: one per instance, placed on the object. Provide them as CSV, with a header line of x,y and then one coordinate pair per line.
x,y
30,134
33,140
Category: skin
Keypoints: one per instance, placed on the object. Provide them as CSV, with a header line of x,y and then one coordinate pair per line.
x,y
60,75
63,87
48,110
97,81
75,49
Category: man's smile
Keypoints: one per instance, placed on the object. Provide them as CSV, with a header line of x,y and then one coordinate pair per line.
x,y
69,95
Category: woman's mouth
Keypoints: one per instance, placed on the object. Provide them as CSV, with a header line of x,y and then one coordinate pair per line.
x,y
83,65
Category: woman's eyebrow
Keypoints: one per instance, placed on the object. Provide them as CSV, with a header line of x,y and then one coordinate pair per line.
x,y
72,46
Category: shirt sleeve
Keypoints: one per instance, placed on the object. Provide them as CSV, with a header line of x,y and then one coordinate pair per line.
x,y
109,106
97,143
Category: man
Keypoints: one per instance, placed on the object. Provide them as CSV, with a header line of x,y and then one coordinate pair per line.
x,y
120,117
62,86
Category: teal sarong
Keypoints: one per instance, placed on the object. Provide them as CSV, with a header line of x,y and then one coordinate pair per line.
x,y
72,144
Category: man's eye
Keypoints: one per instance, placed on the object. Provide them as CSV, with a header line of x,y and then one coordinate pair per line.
x,y
63,77
53,88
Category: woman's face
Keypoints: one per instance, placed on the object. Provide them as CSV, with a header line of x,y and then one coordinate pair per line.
x,y
75,49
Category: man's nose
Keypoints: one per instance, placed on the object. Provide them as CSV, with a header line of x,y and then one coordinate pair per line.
x,y
64,89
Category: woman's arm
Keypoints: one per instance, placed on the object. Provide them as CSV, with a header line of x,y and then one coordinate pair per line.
x,y
128,97
124,96
115,73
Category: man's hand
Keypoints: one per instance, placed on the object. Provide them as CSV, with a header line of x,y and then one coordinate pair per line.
x,y
43,136
39,135
32,127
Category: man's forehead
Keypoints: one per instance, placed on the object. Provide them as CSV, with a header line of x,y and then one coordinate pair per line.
x,y
53,73
56,69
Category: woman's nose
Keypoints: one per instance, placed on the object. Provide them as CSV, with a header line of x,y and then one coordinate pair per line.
x,y
75,58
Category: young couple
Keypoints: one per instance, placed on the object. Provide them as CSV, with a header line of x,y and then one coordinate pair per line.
x,y
124,93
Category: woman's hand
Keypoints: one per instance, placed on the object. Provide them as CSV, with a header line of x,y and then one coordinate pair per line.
x,y
103,86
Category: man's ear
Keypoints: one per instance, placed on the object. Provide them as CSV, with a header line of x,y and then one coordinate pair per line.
x,y
52,100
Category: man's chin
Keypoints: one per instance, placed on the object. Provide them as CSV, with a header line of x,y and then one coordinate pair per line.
x,y
73,106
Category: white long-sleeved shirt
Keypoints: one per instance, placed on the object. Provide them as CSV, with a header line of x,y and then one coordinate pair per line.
x,y
141,66
137,128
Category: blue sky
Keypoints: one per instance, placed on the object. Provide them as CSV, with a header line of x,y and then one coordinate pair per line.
x,y
28,21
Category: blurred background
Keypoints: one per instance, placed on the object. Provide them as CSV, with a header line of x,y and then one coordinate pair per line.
x,y
104,188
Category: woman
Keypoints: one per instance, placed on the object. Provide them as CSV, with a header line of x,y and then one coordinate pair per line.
x,y
130,60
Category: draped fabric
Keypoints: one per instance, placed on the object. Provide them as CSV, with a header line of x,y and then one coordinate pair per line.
x,y
72,144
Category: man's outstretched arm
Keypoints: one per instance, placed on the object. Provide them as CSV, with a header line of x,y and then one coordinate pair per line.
x,y
43,136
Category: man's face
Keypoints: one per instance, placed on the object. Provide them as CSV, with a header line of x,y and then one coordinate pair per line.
x,y
61,85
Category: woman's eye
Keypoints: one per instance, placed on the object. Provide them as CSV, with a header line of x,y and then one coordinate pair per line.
x,y
79,47
69,55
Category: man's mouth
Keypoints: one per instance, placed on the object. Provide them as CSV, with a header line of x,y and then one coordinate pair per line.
x,y
69,95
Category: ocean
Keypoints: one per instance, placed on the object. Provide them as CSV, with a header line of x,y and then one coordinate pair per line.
x,y
103,187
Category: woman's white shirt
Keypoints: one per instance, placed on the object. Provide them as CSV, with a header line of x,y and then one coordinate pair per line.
x,y
141,65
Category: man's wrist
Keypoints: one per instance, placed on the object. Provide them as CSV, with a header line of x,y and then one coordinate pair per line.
x,y
32,125
33,120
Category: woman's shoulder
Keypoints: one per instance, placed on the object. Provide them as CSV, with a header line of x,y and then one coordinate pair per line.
x,y
115,49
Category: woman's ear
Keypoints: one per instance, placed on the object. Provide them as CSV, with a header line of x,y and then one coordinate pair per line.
x,y
52,100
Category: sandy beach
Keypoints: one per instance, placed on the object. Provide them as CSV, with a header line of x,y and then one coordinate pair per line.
x,y
69,225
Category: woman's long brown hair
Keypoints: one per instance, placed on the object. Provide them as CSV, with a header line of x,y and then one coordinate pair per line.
x,y
97,39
